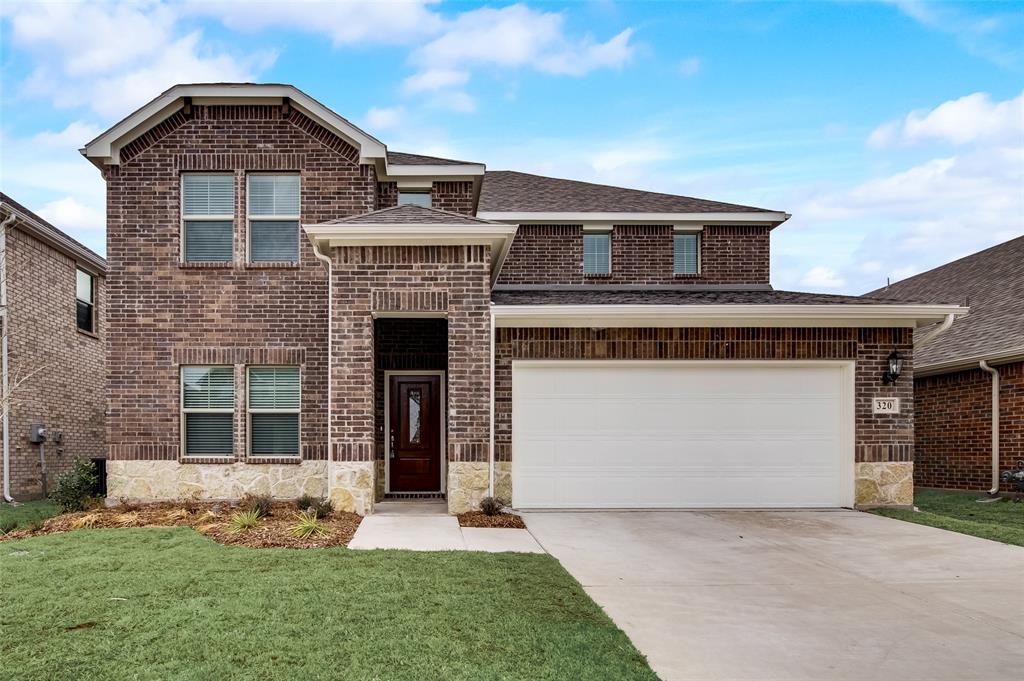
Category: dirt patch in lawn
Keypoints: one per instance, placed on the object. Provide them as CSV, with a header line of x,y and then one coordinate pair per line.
x,y
210,519
478,519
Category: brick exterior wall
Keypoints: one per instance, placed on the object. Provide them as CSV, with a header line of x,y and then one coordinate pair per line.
x,y
56,371
452,196
953,437
162,314
878,437
451,280
641,254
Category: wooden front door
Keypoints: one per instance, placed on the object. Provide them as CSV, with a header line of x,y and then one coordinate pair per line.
x,y
415,433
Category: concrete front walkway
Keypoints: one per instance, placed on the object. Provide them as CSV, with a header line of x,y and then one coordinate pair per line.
x,y
807,595
426,526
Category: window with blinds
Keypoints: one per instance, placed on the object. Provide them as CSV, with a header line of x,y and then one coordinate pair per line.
x,y
686,256
208,410
273,218
84,307
274,404
597,253
208,213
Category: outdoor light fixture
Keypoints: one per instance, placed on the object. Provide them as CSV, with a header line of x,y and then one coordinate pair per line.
x,y
894,370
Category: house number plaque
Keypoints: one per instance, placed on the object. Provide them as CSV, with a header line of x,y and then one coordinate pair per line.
x,y
885,405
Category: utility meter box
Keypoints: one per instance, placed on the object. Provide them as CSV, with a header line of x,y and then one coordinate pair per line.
x,y
37,433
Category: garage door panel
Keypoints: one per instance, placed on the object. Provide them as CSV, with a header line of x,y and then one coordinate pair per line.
x,y
621,435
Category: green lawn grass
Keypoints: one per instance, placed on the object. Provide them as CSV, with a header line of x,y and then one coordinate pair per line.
x,y
24,513
1001,521
172,604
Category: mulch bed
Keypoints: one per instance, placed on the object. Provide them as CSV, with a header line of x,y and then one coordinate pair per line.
x,y
210,519
478,519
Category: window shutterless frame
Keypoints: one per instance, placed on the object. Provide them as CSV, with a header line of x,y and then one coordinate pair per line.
x,y
214,213
268,219
250,410
679,262
85,301
185,411
414,198
597,262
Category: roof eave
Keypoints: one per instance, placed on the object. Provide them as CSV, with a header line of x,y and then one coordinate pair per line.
x,y
57,239
963,363
770,218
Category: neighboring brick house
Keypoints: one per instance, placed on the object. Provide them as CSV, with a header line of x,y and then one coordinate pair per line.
x,y
295,308
52,298
953,392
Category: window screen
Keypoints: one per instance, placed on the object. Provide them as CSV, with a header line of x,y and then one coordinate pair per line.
x,y
597,257
685,257
274,399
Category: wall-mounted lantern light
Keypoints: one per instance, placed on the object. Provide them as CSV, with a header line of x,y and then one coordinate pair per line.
x,y
894,370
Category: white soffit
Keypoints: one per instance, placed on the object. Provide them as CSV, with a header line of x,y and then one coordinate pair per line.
x,y
725,315
105,149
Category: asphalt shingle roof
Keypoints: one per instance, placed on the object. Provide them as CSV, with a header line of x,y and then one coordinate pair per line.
x,y
407,159
674,297
408,214
511,191
991,283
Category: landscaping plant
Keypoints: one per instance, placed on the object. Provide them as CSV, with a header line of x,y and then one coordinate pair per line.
x,y
491,505
8,525
76,485
243,521
308,525
260,504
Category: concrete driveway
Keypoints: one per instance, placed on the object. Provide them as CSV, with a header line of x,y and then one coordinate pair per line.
x,y
798,594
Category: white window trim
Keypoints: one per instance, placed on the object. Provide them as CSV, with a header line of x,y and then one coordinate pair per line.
x,y
182,411
249,219
250,411
401,191
91,302
699,233
611,265
203,218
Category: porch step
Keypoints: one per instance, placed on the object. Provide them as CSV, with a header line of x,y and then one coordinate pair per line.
x,y
413,507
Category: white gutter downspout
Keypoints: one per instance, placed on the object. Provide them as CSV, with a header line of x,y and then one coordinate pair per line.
x,y
490,455
330,354
946,323
3,360
995,426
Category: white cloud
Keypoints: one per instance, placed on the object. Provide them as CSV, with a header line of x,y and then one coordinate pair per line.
x,y
434,79
690,66
972,118
70,215
382,118
822,277
76,134
993,35
460,102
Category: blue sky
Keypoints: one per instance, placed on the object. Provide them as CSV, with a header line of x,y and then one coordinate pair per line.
x,y
893,132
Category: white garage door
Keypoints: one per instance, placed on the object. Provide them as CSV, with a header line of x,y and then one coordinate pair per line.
x,y
681,434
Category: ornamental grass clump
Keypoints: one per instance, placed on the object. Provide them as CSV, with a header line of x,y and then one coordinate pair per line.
x,y
260,504
243,521
308,525
491,505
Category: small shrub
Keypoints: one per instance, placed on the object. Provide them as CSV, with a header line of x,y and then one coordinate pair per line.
x,y
8,525
75,486
85,521
129,519
36,526
305,502
491,505
308,525
243,521
260,504
127,505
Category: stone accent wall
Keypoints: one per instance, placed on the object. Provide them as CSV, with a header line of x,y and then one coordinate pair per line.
x,y
170,480
56,371
641,254
878,438
885,483
467,485
351,486
953,430
163,313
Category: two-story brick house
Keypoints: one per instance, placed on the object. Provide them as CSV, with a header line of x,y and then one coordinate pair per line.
x,y
295,308
51,352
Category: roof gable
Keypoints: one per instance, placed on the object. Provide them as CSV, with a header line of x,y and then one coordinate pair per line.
x,y
408,214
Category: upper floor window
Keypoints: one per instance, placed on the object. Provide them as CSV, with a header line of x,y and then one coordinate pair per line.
x,y
597,253
274,399
85,296
208,213
208,410
273,218
686,256
414,199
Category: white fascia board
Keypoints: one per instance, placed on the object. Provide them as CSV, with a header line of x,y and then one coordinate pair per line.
x,y
996,358
498,237
636,218
467,171
105,149
613,316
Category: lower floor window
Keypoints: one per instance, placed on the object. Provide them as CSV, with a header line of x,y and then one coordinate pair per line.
x,y
208,410
274,399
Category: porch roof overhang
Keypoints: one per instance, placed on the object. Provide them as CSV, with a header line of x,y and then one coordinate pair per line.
x,y
497,236
726,315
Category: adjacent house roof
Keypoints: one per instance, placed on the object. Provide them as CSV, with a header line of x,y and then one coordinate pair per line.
x,y
407,159
675,296
410,215
47,233
991,282
511,192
